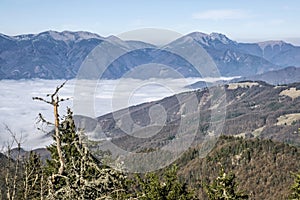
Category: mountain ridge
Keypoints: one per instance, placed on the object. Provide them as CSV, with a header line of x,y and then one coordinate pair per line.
x,y
286,75
59,55
253,109
212,35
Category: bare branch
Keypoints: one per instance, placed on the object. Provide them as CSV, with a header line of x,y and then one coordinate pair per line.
x,y
57,89
13,135
43,120
66,99
41,99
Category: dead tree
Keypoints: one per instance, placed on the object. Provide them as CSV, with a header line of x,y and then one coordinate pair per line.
x,y
12,181
33,180
54,101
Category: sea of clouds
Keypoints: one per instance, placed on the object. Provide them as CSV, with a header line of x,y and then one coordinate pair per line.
x,y
19,112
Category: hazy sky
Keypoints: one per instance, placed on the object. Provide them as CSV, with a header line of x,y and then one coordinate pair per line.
x,y
241,20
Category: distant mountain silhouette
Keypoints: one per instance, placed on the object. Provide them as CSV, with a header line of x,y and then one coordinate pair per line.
x,y
59,55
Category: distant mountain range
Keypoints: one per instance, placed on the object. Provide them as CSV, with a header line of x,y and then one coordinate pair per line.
x,y
277,77
59,55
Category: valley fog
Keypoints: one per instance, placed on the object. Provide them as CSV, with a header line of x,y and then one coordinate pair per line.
x,y
20,113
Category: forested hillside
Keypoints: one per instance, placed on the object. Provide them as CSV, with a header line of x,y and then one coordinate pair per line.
x,y
262,167
245,163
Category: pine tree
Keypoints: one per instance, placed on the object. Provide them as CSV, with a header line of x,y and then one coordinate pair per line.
x,y
169,188
174,189
224,188
84,176
73,172
295,195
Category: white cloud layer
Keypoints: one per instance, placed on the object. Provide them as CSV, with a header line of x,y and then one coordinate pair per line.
x,y
19,112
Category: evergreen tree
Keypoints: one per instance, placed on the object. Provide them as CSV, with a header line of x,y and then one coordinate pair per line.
x,y
84,177
169,188
224,188
73,172
295,195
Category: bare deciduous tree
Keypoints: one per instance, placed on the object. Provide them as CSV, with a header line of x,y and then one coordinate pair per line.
x,y
11,178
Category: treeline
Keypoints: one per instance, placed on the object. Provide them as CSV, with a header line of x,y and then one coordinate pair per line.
x,y
85,177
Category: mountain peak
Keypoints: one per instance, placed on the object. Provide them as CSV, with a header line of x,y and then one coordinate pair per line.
x,y
116,41
271,43
71,36
198,36
221,37
206,39
65,36
62,36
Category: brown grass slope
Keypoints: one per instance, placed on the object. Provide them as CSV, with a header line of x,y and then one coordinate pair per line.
x,y
251,110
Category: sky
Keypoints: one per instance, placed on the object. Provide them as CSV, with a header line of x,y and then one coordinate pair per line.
x,y
254,20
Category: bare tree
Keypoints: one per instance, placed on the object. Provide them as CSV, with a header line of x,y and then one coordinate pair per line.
x,y
73,172
33,177
54,101
12,181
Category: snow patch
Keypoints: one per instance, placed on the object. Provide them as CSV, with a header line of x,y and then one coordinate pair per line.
x,y
271,43
6,37
206,39
62,36
220,37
